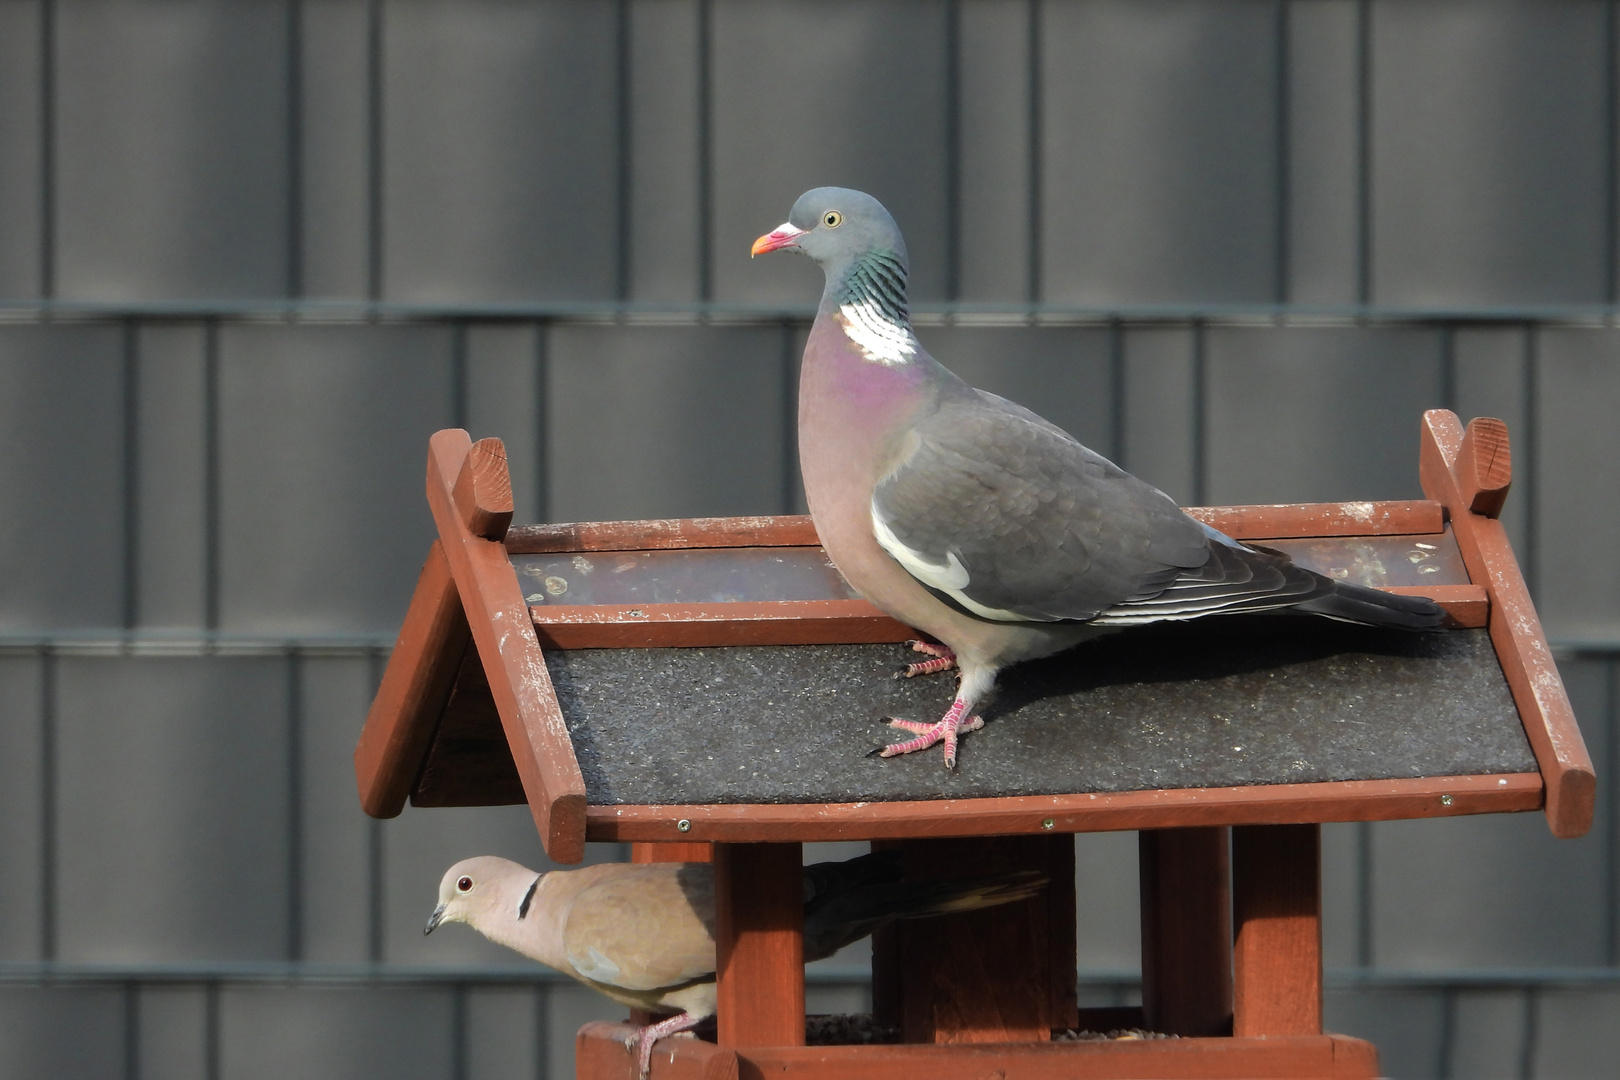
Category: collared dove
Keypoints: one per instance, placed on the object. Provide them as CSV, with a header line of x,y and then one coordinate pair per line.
x,y
979,523
643,933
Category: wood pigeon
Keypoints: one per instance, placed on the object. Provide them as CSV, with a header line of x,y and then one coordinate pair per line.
x,y
978,522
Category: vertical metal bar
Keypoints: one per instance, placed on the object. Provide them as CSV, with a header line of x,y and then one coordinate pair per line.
x,y
1364,104
1035,121
623,149
1448,1031
542,1030
295,148
1526,451
295,805
47,149
374,149
1282,89
132,1030
211,478
376,660
790,420
1364,894
1611,717
705,152
542,400
1200,416
47,808
1611,155
458,1031
1532,1033
953,150
211,1055
130,601
458,374
1448,366
1116,389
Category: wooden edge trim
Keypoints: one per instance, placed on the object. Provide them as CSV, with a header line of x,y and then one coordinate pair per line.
x,y
1297,520
1521,644
518,679
783,531
415,685
807,622
1260,804
1278,522
1466,605
1186,1058
794,622
600,1052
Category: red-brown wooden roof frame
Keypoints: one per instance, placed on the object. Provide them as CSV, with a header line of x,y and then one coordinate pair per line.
x,y
469,593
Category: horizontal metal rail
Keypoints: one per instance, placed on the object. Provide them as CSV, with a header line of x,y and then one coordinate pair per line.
x,y
926,313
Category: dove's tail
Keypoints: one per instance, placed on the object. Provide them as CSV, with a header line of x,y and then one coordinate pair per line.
x,y
861,910
1348,602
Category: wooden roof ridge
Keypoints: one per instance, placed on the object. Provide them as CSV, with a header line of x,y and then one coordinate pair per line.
x,y
469,595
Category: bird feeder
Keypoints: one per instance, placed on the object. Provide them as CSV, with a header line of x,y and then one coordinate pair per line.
x,y
710,688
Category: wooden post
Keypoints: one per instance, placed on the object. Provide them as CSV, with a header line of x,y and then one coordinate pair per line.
x,y
1186,931
759,938
652,852
1277,917
1004,974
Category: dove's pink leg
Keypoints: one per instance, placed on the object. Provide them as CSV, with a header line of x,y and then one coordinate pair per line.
x,y
641,1039
945,731
942,659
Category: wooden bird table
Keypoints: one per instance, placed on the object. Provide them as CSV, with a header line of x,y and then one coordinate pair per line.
x,y
709,688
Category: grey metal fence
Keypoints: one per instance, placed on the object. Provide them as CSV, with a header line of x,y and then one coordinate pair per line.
x,y
252,253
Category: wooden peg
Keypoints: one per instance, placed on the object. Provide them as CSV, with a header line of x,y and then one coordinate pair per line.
x,y
1485,466
483,491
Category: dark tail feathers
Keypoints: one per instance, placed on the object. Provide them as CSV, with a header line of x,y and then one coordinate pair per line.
x,y
863,908
1349,602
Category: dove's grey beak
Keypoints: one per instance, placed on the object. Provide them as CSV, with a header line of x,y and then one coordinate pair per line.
x,y
435,919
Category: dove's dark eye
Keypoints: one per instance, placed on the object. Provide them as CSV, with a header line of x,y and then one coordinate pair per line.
x,y
832,219
464,885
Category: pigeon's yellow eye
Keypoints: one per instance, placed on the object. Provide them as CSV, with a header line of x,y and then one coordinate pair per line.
x,y
464,885
832,219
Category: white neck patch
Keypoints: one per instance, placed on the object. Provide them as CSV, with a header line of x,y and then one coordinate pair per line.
x,y
879,338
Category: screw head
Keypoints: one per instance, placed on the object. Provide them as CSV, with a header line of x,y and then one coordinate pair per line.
x,y
1445,800
1048,823
686,826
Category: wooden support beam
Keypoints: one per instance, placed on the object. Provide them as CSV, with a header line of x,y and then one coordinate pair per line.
x,y
502,630
1277,923
648,853
1389,517
415,687
1334,800
1186,931
1005,974
1464,472
483,490
759,939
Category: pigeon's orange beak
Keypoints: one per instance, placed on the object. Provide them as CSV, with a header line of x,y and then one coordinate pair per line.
x,y
782,236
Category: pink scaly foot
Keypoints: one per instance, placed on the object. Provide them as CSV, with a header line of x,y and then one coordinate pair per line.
x,y
942,659
640,1041
945,731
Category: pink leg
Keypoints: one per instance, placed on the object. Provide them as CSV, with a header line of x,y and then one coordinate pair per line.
x,y
941,659
945,731
641,1039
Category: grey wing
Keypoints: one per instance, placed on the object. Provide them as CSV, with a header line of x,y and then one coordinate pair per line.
x,y
1012,519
